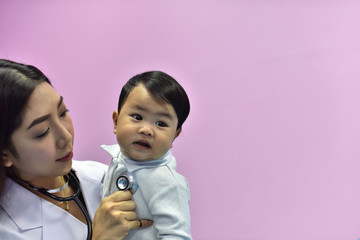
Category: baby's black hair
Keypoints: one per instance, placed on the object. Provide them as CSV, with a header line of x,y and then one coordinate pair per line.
x,y
162,87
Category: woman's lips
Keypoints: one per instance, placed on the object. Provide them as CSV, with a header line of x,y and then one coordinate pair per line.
x,y
66,158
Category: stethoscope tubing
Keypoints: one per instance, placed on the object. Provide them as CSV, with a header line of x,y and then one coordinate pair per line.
x,y
75,198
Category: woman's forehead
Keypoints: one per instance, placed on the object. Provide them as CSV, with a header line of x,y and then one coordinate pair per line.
x,y
42,101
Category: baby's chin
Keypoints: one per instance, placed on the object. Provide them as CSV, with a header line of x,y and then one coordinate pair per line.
x,y
141,157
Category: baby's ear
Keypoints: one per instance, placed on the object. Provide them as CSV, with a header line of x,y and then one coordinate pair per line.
x,y
6,158
177,133
115,116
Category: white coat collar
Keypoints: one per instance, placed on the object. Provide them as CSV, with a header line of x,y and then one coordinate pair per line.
x,y
19,202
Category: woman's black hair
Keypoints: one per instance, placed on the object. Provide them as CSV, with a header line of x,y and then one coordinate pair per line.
x,y
17,83
162,87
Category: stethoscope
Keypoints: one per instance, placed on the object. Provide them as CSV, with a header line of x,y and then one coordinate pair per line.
x,y
73,180
127,181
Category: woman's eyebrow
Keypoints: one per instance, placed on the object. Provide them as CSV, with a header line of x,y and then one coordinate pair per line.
x,y
60,101
43,118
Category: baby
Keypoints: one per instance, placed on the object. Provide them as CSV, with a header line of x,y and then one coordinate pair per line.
x,y
151,110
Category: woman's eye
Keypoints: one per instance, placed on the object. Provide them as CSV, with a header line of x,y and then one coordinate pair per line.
x,y
43,134
63,114
161,124
137,117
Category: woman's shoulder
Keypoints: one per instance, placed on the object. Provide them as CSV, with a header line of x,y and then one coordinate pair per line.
x,y
90,169
88,163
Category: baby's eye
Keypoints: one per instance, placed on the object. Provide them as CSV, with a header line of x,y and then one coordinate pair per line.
x,y
161,124
136,117
63,114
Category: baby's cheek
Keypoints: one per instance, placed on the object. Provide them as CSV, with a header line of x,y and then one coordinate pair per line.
x,y
164,147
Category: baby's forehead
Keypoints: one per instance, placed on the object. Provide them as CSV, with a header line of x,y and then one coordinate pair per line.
x,y
141,98
156,95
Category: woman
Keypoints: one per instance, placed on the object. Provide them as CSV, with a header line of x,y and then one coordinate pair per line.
x,y
37,174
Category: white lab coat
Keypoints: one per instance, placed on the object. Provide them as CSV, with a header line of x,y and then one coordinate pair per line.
x,y
25,216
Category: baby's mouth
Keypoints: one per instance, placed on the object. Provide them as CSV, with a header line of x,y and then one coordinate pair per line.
x,y
142,144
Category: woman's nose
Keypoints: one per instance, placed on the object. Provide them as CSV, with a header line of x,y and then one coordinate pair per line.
x,y
65,137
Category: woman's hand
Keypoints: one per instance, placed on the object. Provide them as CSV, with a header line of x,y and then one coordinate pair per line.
x,y
115,217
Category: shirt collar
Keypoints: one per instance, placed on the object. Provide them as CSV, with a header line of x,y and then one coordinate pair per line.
x,y
131,165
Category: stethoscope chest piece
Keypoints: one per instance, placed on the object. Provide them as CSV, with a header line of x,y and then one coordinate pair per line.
x,y
127,181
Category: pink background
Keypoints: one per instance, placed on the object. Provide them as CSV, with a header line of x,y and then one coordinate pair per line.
x,y
271,147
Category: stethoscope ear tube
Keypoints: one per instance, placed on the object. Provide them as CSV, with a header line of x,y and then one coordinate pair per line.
x,y
127,181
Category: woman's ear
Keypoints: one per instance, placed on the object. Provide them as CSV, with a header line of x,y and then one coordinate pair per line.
x,y
6,158
115,116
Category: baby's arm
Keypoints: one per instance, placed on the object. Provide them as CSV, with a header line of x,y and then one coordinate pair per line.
x,y
170,211
167,198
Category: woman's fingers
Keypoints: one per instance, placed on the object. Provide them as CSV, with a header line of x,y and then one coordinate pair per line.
x,y
119,201
129,216
124,205
143,223
116,216
119,196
